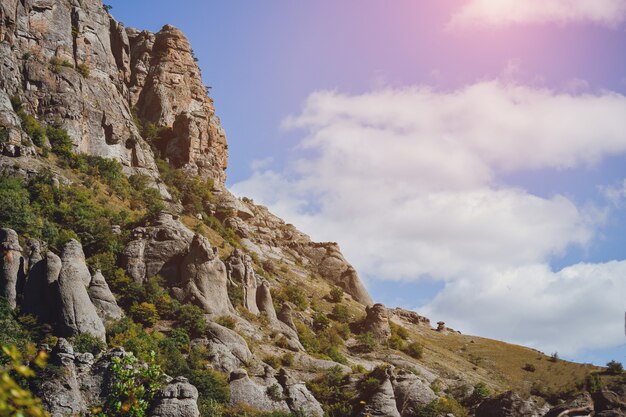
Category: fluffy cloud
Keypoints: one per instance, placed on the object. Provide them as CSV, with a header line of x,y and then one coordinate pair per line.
x,y
506,12
407,182
578,307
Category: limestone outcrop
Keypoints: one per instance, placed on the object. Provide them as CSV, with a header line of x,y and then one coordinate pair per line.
x,y
103,299
298,396
203,279
264,301
241,272
11,265
377,322
382,402
263,393
411,392
77,313
177,399
157,249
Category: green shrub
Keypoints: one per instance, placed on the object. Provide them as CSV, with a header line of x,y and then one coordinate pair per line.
x,y
442,406
227,321
367,343
415,350
320,321
60,141
272,361
481,393
87,343
275,392
16,211
83,69
341,313
134,338
144,313
191,318
331,390
287,359
212,385
132,387
293,294
336,294
33,128
614,368
395,342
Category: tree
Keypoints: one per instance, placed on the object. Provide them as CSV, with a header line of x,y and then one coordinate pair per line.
x,y
614,367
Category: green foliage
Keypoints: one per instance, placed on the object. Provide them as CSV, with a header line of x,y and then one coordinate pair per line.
x,y
16,211
83,69
436,386
415,350
227,321
614,368
272,361
133,387
212,385
336,294
331,390
107,7
85,342
193,192
293,294
341,313
275,392
324,344
442,406
60,141
481,392
134,338
144,313
235,294
395,342
320,321
32,127
57,63
367,343
593,383
287,359
191,318
14,399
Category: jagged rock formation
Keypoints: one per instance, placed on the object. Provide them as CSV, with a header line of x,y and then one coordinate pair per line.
x,y
203,279
411,392
103,299
298,396
229,350
11,265
177,399
241,272
409,316
377,322
172,95
264,301
57,56
77,313
383,401
263,393
285,315
270,237
509,404
157,249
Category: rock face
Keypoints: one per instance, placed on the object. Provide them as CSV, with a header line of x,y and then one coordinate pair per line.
x,y
383,401
173,96
411,392
229,350
264,301
241,272
377,322
103,299
508,404
285,315
177,399
298,396
57,56
203,279
263,393
11,265
157,249
77,313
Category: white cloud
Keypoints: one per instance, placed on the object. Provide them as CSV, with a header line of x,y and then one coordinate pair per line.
x,y
581,306
507,12
407,182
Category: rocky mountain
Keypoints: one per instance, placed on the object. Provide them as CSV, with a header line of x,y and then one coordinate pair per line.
x,y
157,292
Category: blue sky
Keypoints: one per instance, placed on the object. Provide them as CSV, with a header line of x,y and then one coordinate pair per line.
x,y
467,155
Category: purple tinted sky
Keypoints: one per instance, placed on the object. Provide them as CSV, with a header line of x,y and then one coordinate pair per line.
x,y
262,60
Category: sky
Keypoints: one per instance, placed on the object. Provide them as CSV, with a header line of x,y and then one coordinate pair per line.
x,y
469,156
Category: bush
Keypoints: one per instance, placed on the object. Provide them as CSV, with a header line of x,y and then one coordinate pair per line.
x,y
331,390
272,361
33,128
60,141
293,294
287,359
336,294
340,313
144,313
614,368
191,318
212,385
415,350
481,393
133,338
396,342
275,392
442,406
14,399
320,321
529,367
16,211
367,343
227,321
87,343
83,69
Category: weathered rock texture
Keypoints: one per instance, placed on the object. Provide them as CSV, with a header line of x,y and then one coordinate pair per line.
x,y
157,249
177,399
203,279
298,396
411,392
382,402
77,313
57,56
508,404
103,299
264,301
263,392
11,265
241,272
377,322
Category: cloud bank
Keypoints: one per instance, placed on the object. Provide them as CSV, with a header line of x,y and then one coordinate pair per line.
x,y
609,13
406,181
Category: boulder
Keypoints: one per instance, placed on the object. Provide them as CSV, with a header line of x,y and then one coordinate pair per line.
x,y
610,403
264,395
77,313
203,279
241,272
33,252
411,392
285,315
103,299
377,322
157,249
177,399
298,396
264,301
229,351
383,401
11,265
508,404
